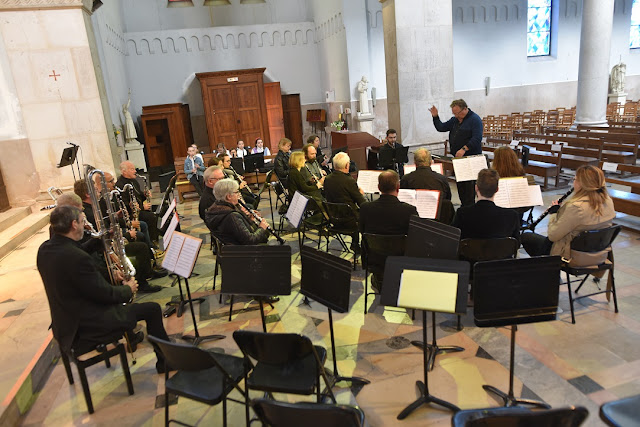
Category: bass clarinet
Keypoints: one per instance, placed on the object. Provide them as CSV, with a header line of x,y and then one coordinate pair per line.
x,y
257,219
535,223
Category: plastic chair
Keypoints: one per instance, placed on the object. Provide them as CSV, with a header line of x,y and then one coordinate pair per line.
x,y
622,412
282,414
104,354
203,376
376,248
520,417
593,242
286,363
342,221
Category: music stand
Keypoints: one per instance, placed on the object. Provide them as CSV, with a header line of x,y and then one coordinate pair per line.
x,y
238,165
427,238
512,292
435,285
69,156
254,163
326,278
256,270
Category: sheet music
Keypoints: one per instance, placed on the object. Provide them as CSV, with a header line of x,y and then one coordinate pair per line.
x,y
467,168
296,208
368,181
437,167
516,193
172,206
188,255
427,203
407,196
171,255
172,227
409,168
609,167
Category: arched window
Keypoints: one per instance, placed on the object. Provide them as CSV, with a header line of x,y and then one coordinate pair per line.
x,y
539,27
634,36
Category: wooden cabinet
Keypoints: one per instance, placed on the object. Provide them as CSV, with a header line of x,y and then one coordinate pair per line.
x,y
292,112
235,107
167,132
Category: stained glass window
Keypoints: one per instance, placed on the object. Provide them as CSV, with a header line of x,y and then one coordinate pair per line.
x,y
634,39
539,27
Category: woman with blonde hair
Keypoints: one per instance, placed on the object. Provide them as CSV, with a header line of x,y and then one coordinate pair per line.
x,y
588,208
297,181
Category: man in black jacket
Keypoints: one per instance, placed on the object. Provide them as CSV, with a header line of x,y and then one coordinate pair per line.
x,y
424,178
212,175
485,220
340,187
128,176
85,309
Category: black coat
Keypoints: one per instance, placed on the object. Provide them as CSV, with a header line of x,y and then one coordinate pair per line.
x,y
282,166
424,178
232,227
387,215
340,187
206,201
298,183
82,303
485,220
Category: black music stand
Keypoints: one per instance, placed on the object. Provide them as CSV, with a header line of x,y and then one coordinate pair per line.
x,y
513,292
254,163
68,158
256,270
427,238
326,278
449,295
238,165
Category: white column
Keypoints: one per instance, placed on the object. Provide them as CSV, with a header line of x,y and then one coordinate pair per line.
x,y
593,70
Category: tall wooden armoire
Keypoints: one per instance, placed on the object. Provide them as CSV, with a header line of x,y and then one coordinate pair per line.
x,y
167,132
235,107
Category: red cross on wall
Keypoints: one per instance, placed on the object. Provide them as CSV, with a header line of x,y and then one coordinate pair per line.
x,y
54,75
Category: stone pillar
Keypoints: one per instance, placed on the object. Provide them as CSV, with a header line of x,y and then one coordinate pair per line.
x,y
418,44
593,68
49,49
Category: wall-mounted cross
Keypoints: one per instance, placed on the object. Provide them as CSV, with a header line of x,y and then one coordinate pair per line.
x,y
54,75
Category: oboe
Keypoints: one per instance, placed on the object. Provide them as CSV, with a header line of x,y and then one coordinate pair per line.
x,y
535,223
257,219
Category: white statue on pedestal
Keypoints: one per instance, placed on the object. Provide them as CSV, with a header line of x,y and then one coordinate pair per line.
x,y
130,133
618,73
363,85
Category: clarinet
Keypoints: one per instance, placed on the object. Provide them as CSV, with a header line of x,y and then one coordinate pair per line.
x,y
535,223
313,177
257,219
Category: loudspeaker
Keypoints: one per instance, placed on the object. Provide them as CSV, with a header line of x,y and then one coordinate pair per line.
x,y
164,180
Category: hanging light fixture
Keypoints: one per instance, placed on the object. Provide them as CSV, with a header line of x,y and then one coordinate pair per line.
x,y
216,2
179,3
252,1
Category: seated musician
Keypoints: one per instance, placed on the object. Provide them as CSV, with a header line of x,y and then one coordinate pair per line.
x,y
221,149
340,187
228,223
282,160
311,171
212,175
321,158
251,199
128,176
506,163
485,220
297,181
386,215
85,309
240,150
391,145
425,178
588,208
194,168
136,249
260,148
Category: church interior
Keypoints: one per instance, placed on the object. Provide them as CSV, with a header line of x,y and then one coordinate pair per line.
x,y
90,82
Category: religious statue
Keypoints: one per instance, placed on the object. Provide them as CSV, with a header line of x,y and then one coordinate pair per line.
x,y
618,73
363,85
130,133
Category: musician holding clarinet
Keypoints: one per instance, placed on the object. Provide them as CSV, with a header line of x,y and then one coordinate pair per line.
x,y
588,208
298,182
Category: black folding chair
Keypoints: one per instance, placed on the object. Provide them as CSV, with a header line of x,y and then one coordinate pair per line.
x,y
283,414
286,363
203,376
595,244
342,221
375,250
520,417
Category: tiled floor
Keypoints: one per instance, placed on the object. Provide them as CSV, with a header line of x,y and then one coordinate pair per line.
x,y
593,361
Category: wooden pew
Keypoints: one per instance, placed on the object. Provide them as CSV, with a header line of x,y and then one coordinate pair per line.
x,y
183,185
627,202
616,147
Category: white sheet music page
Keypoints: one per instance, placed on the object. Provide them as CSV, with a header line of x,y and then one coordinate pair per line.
x,y
188,256
427,203
514,193
368,181
407,196
172,227
296,209
172,206
171,255
535,195
437,167
467,168
409,168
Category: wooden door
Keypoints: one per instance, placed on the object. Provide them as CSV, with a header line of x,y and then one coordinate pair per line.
x,y
292,113
223,114
249,116
157,137
273,100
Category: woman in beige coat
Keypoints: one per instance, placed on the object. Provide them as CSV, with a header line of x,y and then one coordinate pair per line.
x,y
588,208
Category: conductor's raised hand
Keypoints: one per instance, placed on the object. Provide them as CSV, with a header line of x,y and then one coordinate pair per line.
x,y
434,111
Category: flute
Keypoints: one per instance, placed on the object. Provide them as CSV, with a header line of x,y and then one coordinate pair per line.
x,y
257,219
535,223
